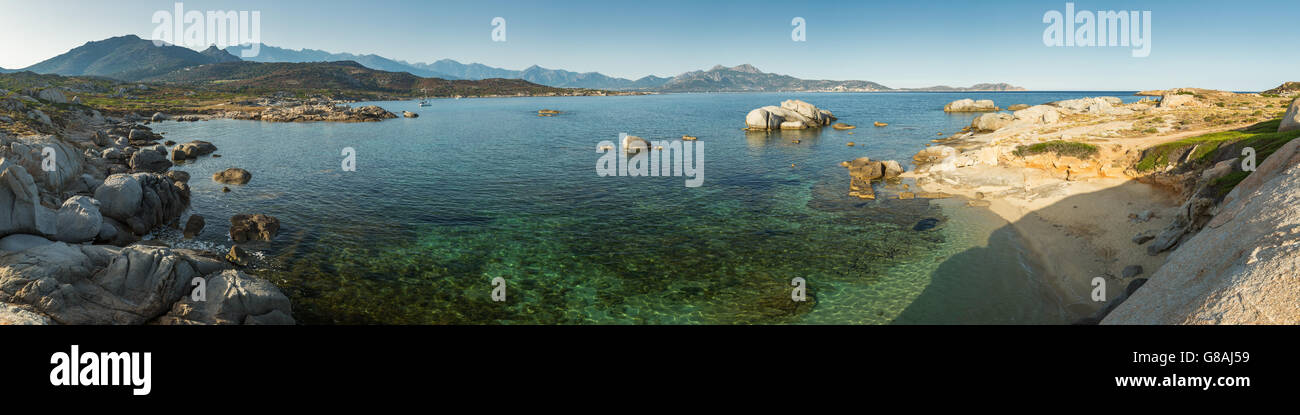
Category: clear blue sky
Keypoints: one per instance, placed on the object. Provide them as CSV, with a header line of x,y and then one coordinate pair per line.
x,y
1238,45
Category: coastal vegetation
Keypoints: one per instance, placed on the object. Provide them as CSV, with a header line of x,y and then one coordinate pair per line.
x,y
1059,147
1263,137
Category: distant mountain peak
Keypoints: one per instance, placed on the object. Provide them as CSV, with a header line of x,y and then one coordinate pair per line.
x,y
745,68
126,57
219,55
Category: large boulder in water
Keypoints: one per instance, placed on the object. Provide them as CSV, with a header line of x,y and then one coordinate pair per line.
x,y
970,105
192,150
792,114
232,176
633,144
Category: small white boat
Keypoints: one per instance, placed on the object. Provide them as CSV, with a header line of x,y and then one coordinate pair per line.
x,y
424,102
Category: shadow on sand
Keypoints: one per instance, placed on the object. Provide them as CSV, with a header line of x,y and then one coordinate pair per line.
x,y
973,286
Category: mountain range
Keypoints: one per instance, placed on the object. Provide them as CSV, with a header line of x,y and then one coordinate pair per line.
x,y
131,58
326,77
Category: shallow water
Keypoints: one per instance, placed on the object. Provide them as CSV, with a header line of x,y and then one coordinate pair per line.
x,y
477,189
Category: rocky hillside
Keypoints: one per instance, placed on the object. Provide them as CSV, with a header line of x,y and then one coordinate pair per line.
x,y
1288,89
747,78
128,58
343,76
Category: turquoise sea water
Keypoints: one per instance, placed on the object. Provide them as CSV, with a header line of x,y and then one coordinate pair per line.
x,y
476,189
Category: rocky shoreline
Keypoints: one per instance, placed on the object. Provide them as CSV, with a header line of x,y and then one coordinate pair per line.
x,y
1107,190
78,208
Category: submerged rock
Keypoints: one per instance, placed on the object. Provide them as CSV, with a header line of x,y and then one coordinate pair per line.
x,y
245,228
925,224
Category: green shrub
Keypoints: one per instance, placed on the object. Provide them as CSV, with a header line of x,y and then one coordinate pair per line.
x,y
1060,148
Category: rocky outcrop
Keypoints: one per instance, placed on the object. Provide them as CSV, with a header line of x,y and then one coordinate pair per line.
x,y
863,171
1240,269
53,95
76,284
1291,121
20,207
30,153
791,115
1038,114
149,161
232,176
194,226
11,315
1192,216
78,220
142,201
1093,105
970,105
1176,100
409,114
234,298
316,113
991,122
245,228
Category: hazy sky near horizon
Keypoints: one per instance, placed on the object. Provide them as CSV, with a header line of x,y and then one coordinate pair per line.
x,y
1246,45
